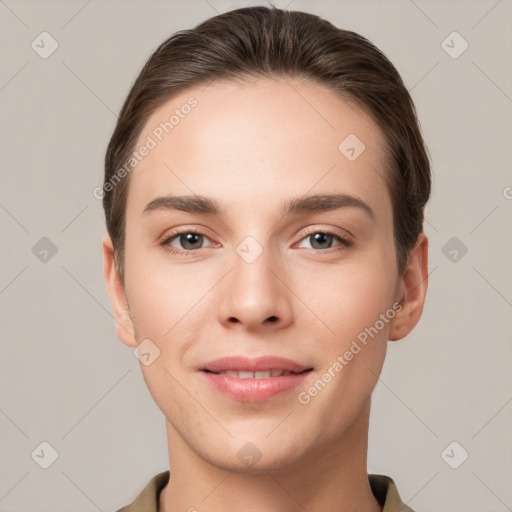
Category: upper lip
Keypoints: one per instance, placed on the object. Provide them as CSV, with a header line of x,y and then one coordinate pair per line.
x,y
263,363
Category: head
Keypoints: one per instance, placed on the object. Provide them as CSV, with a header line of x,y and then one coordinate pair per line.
x,y
250,109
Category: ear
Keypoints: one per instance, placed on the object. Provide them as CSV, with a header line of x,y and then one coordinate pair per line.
x,y
411,291
125,330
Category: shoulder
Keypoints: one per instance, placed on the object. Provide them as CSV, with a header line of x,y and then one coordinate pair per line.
x,y
385,491
147,500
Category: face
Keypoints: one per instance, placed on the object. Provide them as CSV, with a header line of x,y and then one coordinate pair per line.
x,y
260,268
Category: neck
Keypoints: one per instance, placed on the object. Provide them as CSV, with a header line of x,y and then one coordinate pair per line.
x,y
332,478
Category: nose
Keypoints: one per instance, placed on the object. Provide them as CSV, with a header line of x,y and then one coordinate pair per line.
x,y
254,295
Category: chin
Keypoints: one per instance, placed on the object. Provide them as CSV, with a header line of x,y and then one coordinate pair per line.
x,y
256,458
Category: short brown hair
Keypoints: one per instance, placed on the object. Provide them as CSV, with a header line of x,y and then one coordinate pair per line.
x,y
271,42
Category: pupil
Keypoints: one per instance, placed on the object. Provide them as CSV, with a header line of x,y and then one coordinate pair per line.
x,y
188,240
319,238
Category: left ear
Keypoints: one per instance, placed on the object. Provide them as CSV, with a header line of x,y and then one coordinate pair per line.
x,y
412,290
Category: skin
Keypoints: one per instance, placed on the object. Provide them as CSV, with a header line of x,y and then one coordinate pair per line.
x,y
251,147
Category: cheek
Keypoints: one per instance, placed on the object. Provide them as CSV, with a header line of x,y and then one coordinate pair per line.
x,y
160,294
169,307
349,297
165,306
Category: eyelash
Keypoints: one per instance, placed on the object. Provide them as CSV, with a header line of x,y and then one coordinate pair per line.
x,y
345,243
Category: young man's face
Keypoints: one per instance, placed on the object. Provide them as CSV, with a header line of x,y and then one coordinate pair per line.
x,y
257,281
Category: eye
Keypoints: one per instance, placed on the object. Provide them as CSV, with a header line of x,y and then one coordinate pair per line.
x,y
323,239
189,240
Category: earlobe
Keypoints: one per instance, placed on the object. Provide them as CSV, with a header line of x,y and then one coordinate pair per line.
x,y
125,330
411,291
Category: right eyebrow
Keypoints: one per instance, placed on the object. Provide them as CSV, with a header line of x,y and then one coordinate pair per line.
x,y
190,204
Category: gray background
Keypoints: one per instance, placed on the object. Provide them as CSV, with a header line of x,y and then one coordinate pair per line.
x,y
66,380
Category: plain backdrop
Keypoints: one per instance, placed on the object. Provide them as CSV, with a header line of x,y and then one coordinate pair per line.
x,y
66,381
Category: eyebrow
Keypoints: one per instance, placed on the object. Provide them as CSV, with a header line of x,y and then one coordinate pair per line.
x,y
298,205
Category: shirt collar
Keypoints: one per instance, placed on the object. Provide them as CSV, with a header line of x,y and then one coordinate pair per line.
x,y
383,488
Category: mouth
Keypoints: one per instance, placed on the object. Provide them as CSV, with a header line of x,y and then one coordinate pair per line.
x,y
254,380
260,367
267,374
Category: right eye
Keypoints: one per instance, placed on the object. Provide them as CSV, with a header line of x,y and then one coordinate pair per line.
x,y
189,240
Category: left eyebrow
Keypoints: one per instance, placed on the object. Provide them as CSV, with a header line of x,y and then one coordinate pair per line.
x,y
299,205
323,203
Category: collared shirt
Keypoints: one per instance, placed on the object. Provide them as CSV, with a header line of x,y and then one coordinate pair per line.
x,y
383,488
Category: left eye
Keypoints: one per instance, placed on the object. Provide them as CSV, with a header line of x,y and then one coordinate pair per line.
x,y
323,238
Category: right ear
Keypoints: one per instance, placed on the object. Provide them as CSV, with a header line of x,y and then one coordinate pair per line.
x,y
125,330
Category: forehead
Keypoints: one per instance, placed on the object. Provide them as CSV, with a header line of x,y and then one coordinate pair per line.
x,y
259,141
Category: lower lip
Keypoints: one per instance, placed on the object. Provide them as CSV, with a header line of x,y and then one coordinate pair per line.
x,y
254,390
